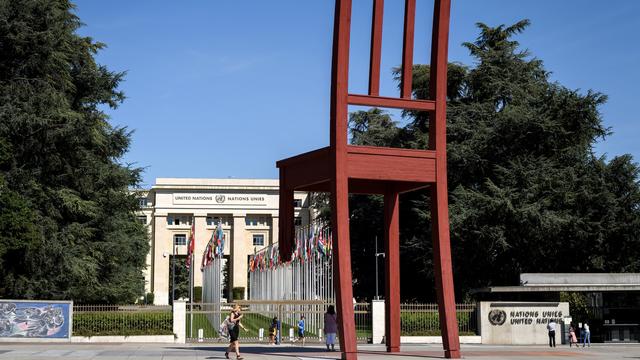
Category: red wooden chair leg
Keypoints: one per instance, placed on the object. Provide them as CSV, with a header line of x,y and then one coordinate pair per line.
x,y
342,272
443,271
392,247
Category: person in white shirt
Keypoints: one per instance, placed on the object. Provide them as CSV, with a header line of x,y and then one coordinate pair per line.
x,y
587,335
551,326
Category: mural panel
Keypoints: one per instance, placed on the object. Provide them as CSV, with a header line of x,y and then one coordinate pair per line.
x,y
32,319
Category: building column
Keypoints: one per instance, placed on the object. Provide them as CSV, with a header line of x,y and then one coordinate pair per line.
x,y
238,253
275,227
202,238
161,263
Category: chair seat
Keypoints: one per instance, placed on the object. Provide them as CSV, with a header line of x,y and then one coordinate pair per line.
x,y
371,170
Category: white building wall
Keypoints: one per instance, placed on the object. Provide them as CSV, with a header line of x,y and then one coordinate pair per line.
x,y
233,199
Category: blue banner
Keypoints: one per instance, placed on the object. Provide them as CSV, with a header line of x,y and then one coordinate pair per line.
x,y
27,319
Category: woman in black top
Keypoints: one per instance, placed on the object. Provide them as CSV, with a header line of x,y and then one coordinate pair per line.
x,y
234,331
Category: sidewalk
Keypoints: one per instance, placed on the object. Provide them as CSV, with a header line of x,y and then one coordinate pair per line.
x,y
22,351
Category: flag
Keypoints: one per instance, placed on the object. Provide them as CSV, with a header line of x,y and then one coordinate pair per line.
x,y
192,242
321,245
218,234
310,245
203,262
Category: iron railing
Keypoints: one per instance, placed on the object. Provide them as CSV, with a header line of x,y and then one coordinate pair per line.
x,y
424,320
107,320
203,320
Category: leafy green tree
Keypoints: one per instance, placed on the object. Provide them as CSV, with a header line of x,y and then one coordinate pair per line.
x,y
67,223
527,192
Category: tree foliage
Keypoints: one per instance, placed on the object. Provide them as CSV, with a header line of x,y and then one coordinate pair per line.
x,y
527,192
67,223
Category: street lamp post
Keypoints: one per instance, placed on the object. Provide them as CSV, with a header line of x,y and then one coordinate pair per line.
x,y
376,255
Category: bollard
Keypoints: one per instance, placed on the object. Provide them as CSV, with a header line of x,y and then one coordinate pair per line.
x,y
291,338
200,335
320,334
261,334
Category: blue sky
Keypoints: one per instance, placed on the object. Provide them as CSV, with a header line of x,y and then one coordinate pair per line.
x,y
225,88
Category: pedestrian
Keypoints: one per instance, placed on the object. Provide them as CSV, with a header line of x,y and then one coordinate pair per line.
x,y
330,327
301,329
573,340
587,335
551,326
235,318
273,330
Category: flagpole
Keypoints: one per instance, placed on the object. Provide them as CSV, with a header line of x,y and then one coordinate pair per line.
x,y
191,295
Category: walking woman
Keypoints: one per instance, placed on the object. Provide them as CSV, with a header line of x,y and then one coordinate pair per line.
x,y
234,332
330,327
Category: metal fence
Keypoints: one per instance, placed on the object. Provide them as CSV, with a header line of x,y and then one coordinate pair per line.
x,y
424,320
107,320
258,315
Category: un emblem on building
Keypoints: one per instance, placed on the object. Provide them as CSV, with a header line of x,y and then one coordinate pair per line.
x,y
497,317
219,199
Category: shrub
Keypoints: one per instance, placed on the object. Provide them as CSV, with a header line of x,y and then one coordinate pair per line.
x,y
122,323
238,293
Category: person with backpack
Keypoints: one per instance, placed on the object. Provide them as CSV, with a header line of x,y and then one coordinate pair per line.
x,y
234,326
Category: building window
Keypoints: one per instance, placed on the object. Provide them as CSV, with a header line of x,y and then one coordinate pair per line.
x,y
180,239
142,219
255,220
214,220
178,219
143,202
297,221
297,203
258,240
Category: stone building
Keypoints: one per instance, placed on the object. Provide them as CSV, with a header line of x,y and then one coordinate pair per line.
x,y
247,209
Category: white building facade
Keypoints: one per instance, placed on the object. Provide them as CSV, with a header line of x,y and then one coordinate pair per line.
x,y
246,208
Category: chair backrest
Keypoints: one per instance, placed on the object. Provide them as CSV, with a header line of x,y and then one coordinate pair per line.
x,y
340,97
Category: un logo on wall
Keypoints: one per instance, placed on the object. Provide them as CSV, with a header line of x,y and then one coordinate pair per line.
x,y
497,317
220,199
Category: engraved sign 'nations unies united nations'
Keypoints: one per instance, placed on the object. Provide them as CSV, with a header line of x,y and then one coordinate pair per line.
x,y
497,317
220,199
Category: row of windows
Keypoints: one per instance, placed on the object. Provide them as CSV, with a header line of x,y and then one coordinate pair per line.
x,y
256,221
214,220
144,202
181,239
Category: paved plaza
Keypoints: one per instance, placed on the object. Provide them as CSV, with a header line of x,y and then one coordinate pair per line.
x,y
20,351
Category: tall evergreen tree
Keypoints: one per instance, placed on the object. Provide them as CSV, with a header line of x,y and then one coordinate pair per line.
x,y
67,223
527,192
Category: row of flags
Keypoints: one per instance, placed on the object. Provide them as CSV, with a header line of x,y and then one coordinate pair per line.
x,y
214,248
316,243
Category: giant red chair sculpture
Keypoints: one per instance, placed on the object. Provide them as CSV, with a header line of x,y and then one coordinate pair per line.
x,y
342,169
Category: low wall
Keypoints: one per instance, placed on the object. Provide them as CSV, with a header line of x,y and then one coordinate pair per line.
x,y
125,339
520,323
437,340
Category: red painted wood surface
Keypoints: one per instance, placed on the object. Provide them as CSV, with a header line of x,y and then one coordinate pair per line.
x,y
392,267
342,169
381,101
376,48
407,48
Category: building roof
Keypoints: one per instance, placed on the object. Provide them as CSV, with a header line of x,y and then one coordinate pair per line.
x,y
555,282
216,184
